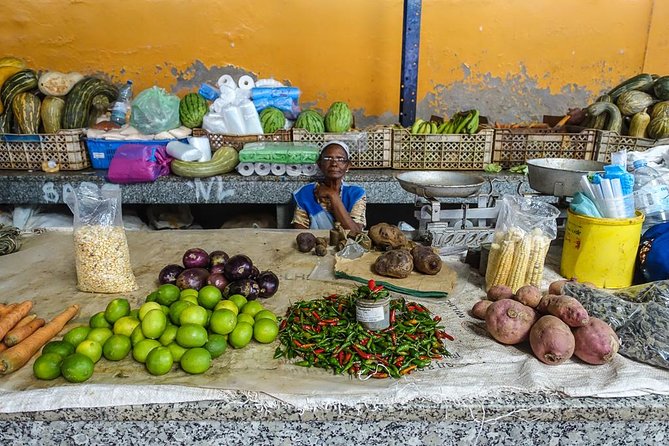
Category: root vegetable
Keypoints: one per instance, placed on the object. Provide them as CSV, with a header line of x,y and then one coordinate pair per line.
x,y
596,343
498,292
479,309
305,241
18,334
12,318
426,260
386,236
528,295
395,263
509,321
551,340
557,286
321,250
568,309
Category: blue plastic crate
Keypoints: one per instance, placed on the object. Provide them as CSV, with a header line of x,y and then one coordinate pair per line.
x,y
101,151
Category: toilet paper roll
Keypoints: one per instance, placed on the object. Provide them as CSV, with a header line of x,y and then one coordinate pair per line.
x,y
245,169
246,82
278,169
293,170
262,169
227,81
309,169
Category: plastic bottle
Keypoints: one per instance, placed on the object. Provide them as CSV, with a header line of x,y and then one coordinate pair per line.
x,y
651,194
121,107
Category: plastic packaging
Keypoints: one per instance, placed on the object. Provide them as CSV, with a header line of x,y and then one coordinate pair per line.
x,y
279,152
154,110
139,163
208,92
651,194
182,151
121,107
252,125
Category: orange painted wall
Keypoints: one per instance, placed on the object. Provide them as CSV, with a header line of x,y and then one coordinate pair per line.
x,y
513,59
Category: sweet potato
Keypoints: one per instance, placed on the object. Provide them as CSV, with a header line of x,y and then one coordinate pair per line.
x,y
557,286
498,292
596,343
528,295
551,340
479,309
509,321
568,309
426,260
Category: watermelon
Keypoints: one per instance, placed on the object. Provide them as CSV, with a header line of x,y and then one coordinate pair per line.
x,y
192,109
272,119
311,121
339,118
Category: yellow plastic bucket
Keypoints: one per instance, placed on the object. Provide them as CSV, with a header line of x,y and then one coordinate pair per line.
x,y
601,250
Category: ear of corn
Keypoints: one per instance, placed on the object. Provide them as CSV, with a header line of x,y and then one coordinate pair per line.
x,y
520,263
493,264
506,259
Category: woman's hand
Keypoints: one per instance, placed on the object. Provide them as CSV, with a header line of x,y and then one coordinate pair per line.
x,y
324,192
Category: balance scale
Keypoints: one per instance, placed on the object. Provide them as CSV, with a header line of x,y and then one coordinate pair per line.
x,y
472,224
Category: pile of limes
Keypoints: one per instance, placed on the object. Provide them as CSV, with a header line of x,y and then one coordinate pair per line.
x,y
189,327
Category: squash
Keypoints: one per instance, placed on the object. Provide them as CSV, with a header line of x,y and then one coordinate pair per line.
x,y
79,100
223,160
24,80
659,127
660,108
55,83
6,73
26,109
99,106
638,82
638,124
615,120
661,88
52,113
632,102
11,61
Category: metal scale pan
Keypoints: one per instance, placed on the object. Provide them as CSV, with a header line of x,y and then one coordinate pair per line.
x,y
559,177
438,184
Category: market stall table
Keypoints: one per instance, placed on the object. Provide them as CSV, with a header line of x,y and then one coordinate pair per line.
x,y
485,393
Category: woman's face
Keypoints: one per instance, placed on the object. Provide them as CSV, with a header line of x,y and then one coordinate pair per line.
x,y
334,162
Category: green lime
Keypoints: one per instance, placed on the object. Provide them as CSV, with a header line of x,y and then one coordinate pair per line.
x,y
168,335
137,335
142,349
98,321
92,349
238,300
188,292
209,296
125,325
190,298
193,314
116,347
134,314
243,317
216,345
47,366
222,321
146,307
227,305
99,335
177,351
265,331
265,314
176,308
191,335
168,294
165,309
151,297
154,323
195,361
63,348
241,335
77,368
159,361
116,309
252,308
76,335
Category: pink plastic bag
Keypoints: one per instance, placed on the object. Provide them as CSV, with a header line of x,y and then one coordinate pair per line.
x,y
138,163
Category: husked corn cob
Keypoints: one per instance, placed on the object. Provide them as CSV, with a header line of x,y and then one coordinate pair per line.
x,y
506,259
520,264
537,260
493,264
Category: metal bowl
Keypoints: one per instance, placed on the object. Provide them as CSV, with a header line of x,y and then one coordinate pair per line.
x,y
559,176
436,184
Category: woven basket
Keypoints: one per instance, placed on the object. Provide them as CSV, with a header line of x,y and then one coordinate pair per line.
x,y
218,140
28,152
609,142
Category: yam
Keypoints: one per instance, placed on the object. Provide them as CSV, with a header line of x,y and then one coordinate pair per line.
x,y
395,263
551,340
425,260
509,321
568,309
557,286
306,241
528,295
596,343
479,309
386,236
498,292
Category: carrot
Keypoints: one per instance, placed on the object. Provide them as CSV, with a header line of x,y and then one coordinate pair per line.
x,y
17,356
18,334
6,310
31,317
14,316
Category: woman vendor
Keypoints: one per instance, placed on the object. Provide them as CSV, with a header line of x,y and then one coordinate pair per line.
x,y
319,205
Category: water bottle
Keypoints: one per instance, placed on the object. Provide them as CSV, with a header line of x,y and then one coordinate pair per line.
x,y
651,194
121,106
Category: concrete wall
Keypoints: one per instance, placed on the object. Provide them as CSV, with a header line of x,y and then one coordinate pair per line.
x,y
512,59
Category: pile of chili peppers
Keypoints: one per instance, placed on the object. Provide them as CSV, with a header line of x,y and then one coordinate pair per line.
x,y
324,333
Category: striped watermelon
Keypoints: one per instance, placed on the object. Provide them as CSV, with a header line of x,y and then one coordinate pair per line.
x,y
192,109
272,119
339,118
311,121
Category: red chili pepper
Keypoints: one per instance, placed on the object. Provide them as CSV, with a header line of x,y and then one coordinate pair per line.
x,y
392,316
360,353
283,324
307,328
408,369
399,361
318,351
300,345
436,318
444,335
412,336
437,357
340,357
318,318
393,336
318,328
379,375
371,284
377,288
348,357
340,308
364,341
